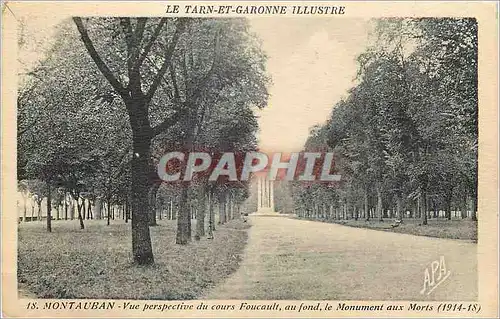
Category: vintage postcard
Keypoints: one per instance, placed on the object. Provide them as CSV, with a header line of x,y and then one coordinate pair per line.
x,y
249,159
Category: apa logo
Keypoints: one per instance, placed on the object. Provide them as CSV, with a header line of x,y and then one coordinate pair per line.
x,y
434,275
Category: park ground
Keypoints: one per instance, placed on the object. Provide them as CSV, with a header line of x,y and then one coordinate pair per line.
x,y
307,260
464,229
284,258
96,262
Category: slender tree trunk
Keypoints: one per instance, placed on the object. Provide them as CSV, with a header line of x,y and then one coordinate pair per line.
x,y
89,210
211,215
434,208
79,209
49,208
25,209
72,208
366,208
399,211
474,208
222,207
152,203
127,209
474,195
190,212
39,204
423,207
463,210
200,214
108,213
380,210
229,209
83,208
183,218
65,206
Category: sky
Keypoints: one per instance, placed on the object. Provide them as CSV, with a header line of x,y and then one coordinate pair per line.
x,y
311,61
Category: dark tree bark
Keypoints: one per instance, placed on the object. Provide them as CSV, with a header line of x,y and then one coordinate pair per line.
x,y
423,207
65,206
80,217
474,208
152,203
380,210
183,218
49,208
137,103
222,207
211,214
200,214
399,208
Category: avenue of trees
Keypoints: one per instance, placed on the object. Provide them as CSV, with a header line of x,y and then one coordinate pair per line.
x,y
113,95
406,136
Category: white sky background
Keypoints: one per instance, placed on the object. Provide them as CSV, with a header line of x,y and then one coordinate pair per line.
x,y
311,62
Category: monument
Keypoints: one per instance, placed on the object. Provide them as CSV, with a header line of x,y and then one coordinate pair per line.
x,y
265,196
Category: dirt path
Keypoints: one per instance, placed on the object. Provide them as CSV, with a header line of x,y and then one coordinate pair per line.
x,y
295,259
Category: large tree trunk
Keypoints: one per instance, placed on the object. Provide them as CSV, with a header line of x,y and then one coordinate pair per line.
x,y
141,239
183,218
200,214
49,208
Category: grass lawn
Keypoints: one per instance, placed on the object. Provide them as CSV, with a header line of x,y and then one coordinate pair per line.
x,y
465,229
97,262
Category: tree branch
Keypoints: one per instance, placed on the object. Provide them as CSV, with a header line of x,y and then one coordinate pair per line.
x,y
162,127
181,23
210,72
174,82
139,30
129,39
97,59
148,46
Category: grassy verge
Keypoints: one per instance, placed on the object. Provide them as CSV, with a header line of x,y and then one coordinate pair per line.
x,y
96,262
464,229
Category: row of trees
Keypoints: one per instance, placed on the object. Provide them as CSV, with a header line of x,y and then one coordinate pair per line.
x,y
115,94
406,136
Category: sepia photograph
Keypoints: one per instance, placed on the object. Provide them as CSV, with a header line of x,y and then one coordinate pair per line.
x,y
277,153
